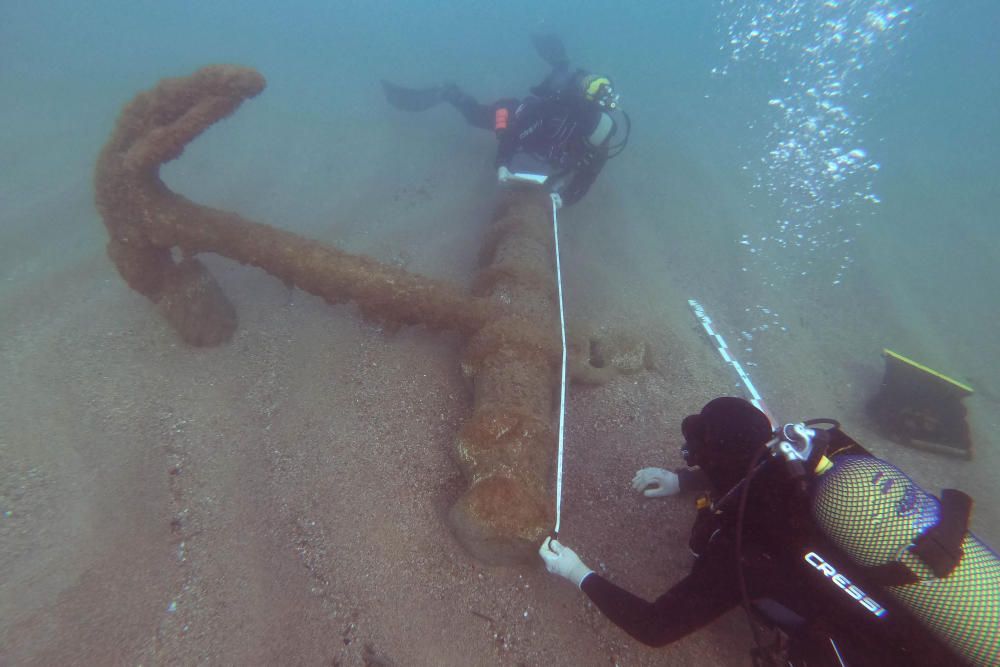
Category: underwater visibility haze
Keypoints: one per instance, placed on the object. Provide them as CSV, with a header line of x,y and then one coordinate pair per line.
x,y
819,177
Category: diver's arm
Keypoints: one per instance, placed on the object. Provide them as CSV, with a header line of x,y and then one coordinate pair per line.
x,y
520,123
506,147
583,178
706,593
525,122
590,152
691,479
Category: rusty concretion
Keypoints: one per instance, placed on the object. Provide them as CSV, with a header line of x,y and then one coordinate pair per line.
x,y
506,447
146,221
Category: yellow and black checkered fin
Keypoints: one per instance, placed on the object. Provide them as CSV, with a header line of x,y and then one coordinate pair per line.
x,y
873,512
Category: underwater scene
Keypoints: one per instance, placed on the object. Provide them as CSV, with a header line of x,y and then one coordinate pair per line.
x,y
529,333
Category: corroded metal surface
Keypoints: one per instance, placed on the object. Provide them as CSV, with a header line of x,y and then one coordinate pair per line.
x,y
506,447
147,221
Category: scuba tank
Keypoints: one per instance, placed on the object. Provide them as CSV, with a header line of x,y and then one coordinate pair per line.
x,y
902,541
916,548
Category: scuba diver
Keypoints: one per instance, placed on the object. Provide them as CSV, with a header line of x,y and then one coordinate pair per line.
x,y
559,137
837,557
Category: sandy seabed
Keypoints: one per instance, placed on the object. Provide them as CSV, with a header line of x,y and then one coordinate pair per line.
x,y
281,499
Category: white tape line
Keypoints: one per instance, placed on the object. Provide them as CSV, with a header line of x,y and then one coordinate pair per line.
x,y
723,349
562,383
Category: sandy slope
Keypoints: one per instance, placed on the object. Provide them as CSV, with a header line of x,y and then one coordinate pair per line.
x,y
280,499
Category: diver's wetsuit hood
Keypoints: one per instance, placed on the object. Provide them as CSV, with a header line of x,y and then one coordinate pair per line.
x,y
722,439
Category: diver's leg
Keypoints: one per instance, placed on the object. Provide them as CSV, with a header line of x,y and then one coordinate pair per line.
x,y
412,99
551,49
475,114
419,99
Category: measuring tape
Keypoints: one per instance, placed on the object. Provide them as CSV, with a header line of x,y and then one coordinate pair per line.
x,y
562,383
723,349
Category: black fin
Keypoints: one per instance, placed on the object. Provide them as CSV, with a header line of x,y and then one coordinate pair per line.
x,y
551,49
412,99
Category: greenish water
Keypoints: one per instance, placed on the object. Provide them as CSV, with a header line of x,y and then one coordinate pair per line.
x,y
821,176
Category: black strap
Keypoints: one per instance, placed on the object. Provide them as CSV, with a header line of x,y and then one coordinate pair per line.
x,y
892,573
940,546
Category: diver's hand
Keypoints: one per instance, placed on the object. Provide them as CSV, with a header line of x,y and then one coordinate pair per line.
x,y
563,561
655,482
503,174
556,200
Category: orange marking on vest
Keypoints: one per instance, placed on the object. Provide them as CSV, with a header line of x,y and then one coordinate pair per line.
x,y
500,119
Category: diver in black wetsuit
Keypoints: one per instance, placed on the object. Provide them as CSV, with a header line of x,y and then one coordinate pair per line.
x,y
562,133
766,558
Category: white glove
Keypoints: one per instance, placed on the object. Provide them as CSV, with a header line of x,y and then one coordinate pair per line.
x,y
563,561
503,174
660,482
556,199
